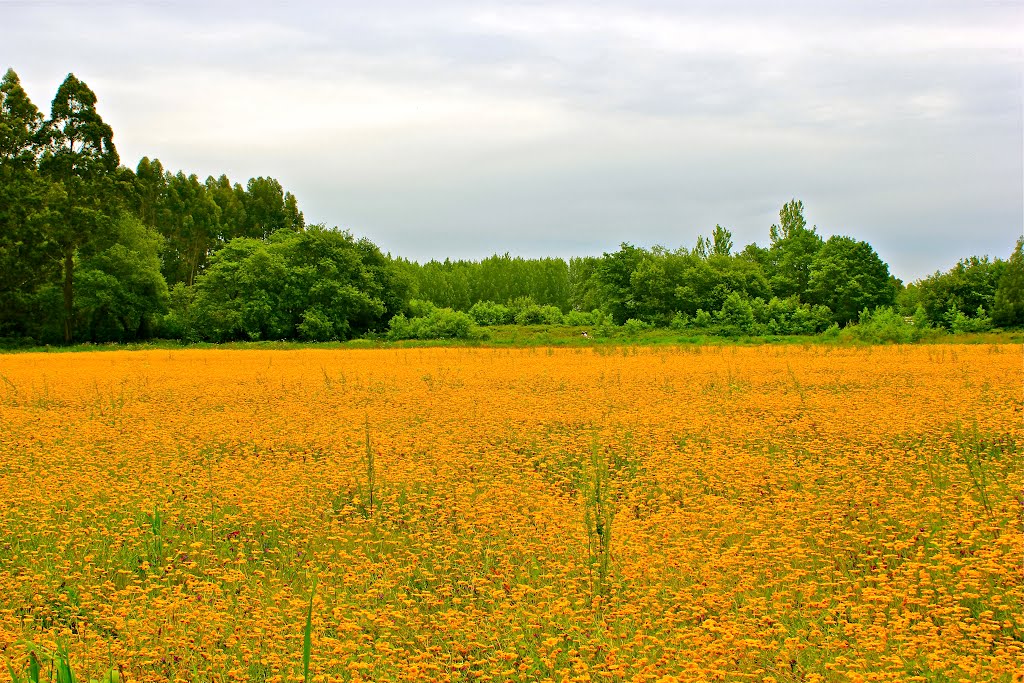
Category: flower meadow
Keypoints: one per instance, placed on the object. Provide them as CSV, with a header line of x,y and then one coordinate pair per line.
x,y
774,513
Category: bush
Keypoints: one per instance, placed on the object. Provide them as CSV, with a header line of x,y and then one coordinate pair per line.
x,y
702,320
441,323
736,315
316,326
680,321
316,284
520,303
883,326
831,332
634,326
177,324
488,313
579,318
791,316
420,308
539,315
961,324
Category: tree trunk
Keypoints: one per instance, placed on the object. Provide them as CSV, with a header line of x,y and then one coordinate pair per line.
x,y
69,270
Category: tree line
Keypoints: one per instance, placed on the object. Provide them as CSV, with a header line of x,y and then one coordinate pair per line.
x,y
91,250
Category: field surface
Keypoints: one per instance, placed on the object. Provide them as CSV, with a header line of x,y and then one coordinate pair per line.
x,y
601,514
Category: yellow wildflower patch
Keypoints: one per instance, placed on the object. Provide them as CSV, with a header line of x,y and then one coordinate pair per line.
x,y
637,514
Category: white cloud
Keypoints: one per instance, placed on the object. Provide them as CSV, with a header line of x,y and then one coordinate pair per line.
x,y
465,128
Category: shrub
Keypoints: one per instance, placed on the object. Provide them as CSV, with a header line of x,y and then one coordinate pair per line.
x,y
579,319
882,326
441,323
791,316
420,308
551,315
539,315
634,326
488,313
961,324
736,315
702,320
316,326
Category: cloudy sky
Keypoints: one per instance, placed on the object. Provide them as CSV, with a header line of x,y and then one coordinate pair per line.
x,y
462,128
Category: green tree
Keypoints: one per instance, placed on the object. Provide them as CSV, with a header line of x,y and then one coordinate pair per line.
x,y
615,273
705,284
120,290
1008,306
848,276
654,284
20,123
190,221
80,160
584,285
150,190
721,242
268,208
969,285
24,197
736,315
792,251
230,199
316,284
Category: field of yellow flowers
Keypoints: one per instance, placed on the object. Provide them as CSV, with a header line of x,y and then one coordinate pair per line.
x,y
765,513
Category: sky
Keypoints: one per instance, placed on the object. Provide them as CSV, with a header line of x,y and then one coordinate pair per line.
x,y
462,128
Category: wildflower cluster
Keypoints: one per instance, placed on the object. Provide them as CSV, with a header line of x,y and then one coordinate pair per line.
x,y
590,514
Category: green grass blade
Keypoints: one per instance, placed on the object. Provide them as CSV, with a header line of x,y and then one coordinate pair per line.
x,y
15,678
307,637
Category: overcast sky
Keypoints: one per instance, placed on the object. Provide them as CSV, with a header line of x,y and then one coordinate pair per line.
x,y
466,128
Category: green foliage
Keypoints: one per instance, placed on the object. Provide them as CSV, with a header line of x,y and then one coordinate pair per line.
x,y
441,323
707,283
539,315
848,276
76,141
614,273
307,637
268,209
487,313
26,260
598,520
1008,305
462,284
736,317
961,324
584,286
60,669
791,255
702,319
884,325
79,160
971,284
317,284
20,123
582,318
739,316
121,292
790,316
721,241
633,326
651,295
190,220
316,326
